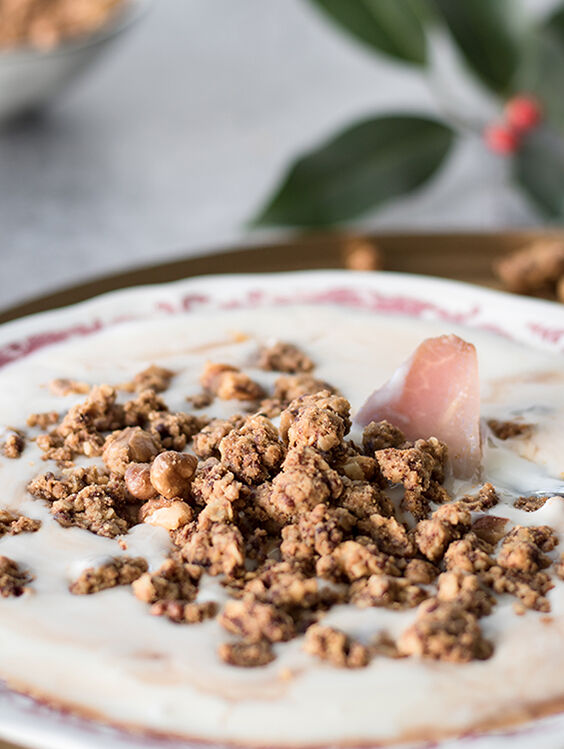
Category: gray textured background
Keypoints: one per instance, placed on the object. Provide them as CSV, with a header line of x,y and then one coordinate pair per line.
x,y
170,143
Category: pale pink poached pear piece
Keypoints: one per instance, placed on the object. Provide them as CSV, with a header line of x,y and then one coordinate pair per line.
x,y
436,392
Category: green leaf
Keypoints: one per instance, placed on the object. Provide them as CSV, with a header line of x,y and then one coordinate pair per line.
x,y
487,33
360,169
542,68
393,27
555,23
542,74
539,170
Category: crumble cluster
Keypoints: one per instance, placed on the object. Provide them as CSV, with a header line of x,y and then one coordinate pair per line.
x,y
294,519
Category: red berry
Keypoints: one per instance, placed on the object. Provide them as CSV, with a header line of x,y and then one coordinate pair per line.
x,y
523,113
501,139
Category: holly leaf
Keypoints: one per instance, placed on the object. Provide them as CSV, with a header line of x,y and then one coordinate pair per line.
x,y
360,169
541,74
488,36
388,26
539,170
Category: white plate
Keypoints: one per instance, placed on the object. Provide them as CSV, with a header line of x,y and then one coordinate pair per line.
x,y
535,323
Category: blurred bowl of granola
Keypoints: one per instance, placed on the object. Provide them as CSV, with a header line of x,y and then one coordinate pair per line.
x,y
46,44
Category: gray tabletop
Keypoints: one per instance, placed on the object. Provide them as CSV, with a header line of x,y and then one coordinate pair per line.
x,y
170,144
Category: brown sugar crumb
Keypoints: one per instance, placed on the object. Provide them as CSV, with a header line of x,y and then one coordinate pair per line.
x,y
420,571
529,588
533,269
218,546
291,387
284,357
50,487
200,400
305,480
11,524
409,466
43,420
485,499
63,387
352,561
336,647
14,445
380,435
448,523
416,504
390,535
466,590
470,554
246,654
212,481
138,411
253,452
445,631
98,508
153,378
174,430
320,421
206,441
505,430
316,533
173,581
118,571
80,432
229,383
530,504
522,548
13,579
387,591
363,499
254,621
284,585
185,613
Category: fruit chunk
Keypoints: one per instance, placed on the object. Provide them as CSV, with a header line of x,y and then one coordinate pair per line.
x,y
435,393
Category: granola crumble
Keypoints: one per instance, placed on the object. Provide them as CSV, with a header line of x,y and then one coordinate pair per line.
x,y
336,647
14,445
13,579
118,571
284,357
12,523
229,383
505,430
293,520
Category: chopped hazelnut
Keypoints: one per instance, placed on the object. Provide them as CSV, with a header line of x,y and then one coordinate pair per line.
x,y
167,513
128,445
138,481
172,472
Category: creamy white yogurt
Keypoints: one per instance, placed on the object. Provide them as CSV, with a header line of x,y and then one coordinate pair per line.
x,y
107,653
